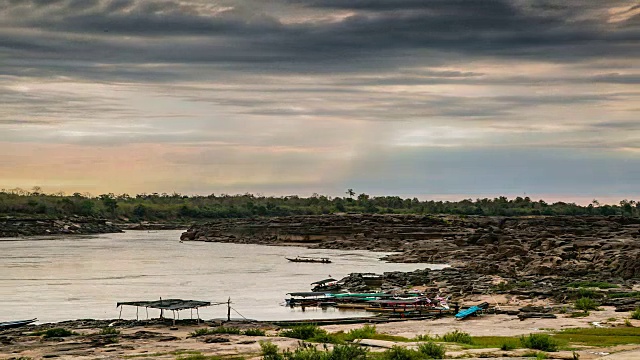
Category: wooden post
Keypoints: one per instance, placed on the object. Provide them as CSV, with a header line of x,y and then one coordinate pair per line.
x,y
120,316
136,313
229,309
198,315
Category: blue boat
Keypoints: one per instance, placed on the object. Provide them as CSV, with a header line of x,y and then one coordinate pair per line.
x,y
471,311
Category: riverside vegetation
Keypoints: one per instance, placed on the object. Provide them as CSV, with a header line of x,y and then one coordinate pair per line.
x,y
162,207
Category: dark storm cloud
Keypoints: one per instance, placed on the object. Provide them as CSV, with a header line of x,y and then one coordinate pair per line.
x,y
373,37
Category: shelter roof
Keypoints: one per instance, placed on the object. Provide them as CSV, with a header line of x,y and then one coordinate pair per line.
x,y
168,304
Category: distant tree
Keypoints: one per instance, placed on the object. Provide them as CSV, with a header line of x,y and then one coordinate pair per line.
x,y
110,203
351,193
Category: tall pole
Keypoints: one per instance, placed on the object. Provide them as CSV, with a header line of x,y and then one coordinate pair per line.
x,y
229,309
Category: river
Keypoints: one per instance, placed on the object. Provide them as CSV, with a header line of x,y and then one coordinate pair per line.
x,y
76,277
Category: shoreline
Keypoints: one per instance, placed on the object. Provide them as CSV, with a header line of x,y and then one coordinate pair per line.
x,y
161,340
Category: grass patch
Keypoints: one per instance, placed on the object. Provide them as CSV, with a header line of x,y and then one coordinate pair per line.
x,y
457,336
579,314
109,331
636,314
539,355
586,304
204,357
254,332
624,295
315,334
508,345
600,337
592,284
215,331
504,286
55,332
424,338
542,342
177,352
365,332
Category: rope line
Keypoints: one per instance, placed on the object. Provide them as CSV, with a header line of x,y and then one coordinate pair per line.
x,y
239,313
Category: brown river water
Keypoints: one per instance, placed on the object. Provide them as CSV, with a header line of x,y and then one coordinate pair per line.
x,y
79,277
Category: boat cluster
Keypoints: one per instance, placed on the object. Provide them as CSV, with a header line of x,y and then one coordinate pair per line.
x,y
407,303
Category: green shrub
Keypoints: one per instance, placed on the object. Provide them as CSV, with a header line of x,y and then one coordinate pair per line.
x,y
365,332
109,331
269,351
254,332
310,352
636,314
57,332
586,304
401,353
303,332
306,352
431,350
542,342
457,336
586,293
507,346
424,337
326,338
349,352
627,323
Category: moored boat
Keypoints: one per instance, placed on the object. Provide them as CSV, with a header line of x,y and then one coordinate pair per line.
x,y
15,324
310,260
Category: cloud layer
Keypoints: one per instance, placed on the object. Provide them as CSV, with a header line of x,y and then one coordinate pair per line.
x,y
401,97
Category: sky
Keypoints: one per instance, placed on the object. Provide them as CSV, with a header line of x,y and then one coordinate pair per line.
x,y
440,99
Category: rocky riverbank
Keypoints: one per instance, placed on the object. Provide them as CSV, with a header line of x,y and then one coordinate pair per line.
x,y
533,250
18,227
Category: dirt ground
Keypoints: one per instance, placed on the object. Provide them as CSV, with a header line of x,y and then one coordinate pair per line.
x,y
161,342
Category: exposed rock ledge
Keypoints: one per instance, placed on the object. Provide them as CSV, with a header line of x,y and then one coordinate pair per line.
x,y
606,248
15,227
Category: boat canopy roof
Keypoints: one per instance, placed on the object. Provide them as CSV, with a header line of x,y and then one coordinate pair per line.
x,y
307,294
168,304
362,295
325,281
400,302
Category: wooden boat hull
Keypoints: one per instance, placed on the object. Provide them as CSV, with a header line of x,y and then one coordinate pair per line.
x,y
15,324
316,261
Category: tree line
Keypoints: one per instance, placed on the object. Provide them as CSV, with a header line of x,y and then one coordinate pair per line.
x,y
178,207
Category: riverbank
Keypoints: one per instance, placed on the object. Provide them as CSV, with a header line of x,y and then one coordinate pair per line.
x,y
74,225
156,339
522,256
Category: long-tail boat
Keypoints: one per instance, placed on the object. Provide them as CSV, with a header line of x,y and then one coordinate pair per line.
x,y
310,260
15,324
